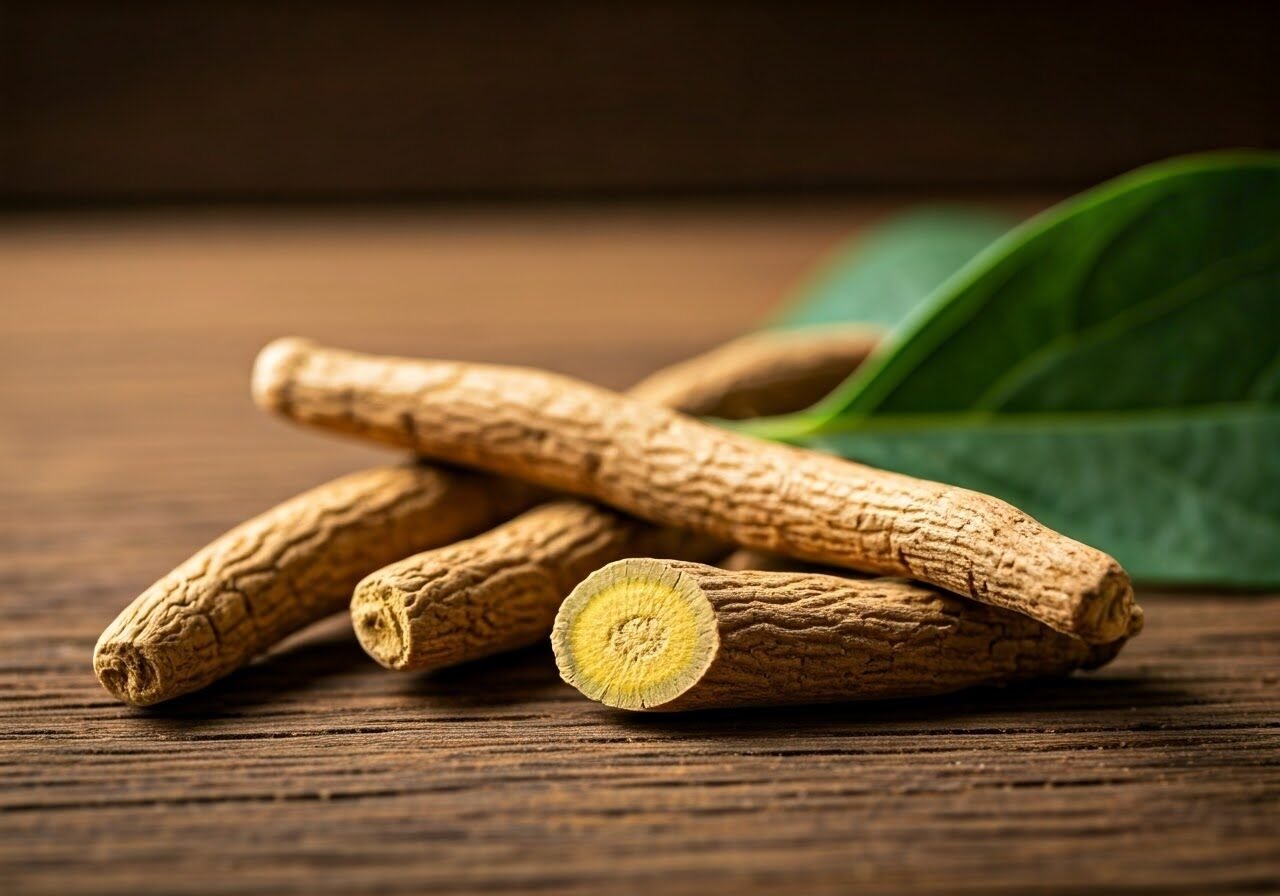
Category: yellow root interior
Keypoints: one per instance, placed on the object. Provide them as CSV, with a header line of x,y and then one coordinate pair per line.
x,y
635,635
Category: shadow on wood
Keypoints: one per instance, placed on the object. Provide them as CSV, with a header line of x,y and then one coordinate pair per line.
x,y
304,663
519,676
1025,705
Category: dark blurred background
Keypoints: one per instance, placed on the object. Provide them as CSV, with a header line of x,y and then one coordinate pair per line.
x,y
172,101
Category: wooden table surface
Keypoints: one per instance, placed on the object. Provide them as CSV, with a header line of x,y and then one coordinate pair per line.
x,y
128,441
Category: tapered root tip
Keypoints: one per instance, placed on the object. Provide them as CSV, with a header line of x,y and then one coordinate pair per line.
x,y
379,615
273,369
636,634
129,674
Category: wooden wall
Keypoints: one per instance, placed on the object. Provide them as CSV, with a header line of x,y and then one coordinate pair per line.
x,y
137,100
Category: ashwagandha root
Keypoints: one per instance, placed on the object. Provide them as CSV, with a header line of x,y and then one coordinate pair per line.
x,y
299,561
745,559
668,468
761,375
669,635
285,569
500,590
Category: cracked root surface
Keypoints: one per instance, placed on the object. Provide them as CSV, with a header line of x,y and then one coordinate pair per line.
x,y
666,635
500,590
762,374
671,469
284,569
297,563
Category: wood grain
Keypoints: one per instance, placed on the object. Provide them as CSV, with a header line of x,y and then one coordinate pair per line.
x,y
127,440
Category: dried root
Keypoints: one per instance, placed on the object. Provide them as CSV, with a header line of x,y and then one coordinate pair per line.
x,y
668,468
666,635
299,561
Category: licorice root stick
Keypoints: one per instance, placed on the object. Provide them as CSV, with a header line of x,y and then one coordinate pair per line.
x,y
286,568
500,590
668,468
644,634
761,374
299,561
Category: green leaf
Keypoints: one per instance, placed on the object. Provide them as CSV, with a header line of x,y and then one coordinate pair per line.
x,y
880,278
1112,367
1186,497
